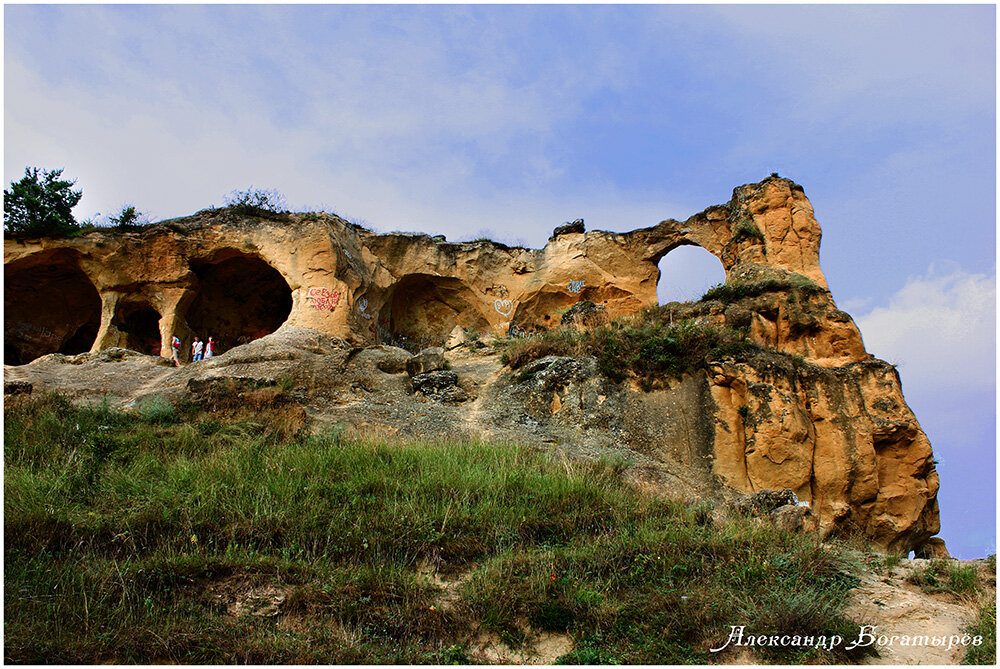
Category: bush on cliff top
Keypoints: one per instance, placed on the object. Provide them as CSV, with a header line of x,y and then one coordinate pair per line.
x,y
257,202
129,539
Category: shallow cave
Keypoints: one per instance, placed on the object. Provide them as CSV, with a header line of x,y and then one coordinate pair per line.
x,y
425,309
240,298
50,306
140,323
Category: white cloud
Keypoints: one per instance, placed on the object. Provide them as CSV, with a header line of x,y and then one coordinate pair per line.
x,y
940,329
380,123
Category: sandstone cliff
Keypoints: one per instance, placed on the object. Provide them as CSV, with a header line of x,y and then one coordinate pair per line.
x,y
820,416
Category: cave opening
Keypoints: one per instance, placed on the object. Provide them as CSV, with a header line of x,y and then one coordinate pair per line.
x,y
686,273
140,323
239,298
50,306
424,309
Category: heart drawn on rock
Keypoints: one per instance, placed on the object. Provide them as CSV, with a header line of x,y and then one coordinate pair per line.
x,y
503,307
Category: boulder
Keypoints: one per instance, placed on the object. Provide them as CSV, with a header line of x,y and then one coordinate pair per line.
x,y
387,359
794,518
456,338
428,360
585,313
17,388
440,384
765,502
554,372
568,228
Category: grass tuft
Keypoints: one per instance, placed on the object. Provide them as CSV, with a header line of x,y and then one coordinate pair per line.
x,y
945,576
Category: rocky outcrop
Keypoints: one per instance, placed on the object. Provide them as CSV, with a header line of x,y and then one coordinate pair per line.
x,y
842,439
819,417
237,279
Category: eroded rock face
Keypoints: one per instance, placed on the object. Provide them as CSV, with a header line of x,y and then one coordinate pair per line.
x,y
832,427
213,274
842,439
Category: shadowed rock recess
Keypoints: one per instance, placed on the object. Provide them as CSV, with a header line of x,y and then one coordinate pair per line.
x,y
820,417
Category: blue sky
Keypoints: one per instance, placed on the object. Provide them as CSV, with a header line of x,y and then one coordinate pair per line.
x,y
512,119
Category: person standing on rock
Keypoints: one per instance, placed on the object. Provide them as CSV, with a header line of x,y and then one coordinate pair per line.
x,y
210,348
175,350
197,346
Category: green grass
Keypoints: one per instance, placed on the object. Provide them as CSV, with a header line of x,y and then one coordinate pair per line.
x,y
128,538
945,576
649,345
986,627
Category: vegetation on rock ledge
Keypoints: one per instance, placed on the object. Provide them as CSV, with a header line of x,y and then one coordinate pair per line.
x,y
733,291
650,345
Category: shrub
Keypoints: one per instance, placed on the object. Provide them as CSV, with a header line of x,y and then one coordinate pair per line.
x,y
129,218
746,229
256,202
34,207
157,410
942,576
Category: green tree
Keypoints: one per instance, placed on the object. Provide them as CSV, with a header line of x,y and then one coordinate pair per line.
x,y
129,218
40,207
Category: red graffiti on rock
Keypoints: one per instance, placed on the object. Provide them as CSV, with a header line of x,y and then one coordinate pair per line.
x,y
323,298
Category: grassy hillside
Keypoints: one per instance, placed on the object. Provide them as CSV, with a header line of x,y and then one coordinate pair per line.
x,y
144,537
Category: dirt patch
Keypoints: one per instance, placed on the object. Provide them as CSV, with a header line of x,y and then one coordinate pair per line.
x,y
897,607
545,648
241,596
449,584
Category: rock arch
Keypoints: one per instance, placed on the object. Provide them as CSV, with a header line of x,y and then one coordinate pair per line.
x,y
50,306
238,298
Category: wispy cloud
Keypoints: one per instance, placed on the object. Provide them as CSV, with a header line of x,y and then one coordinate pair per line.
x,y
941,330
422,121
